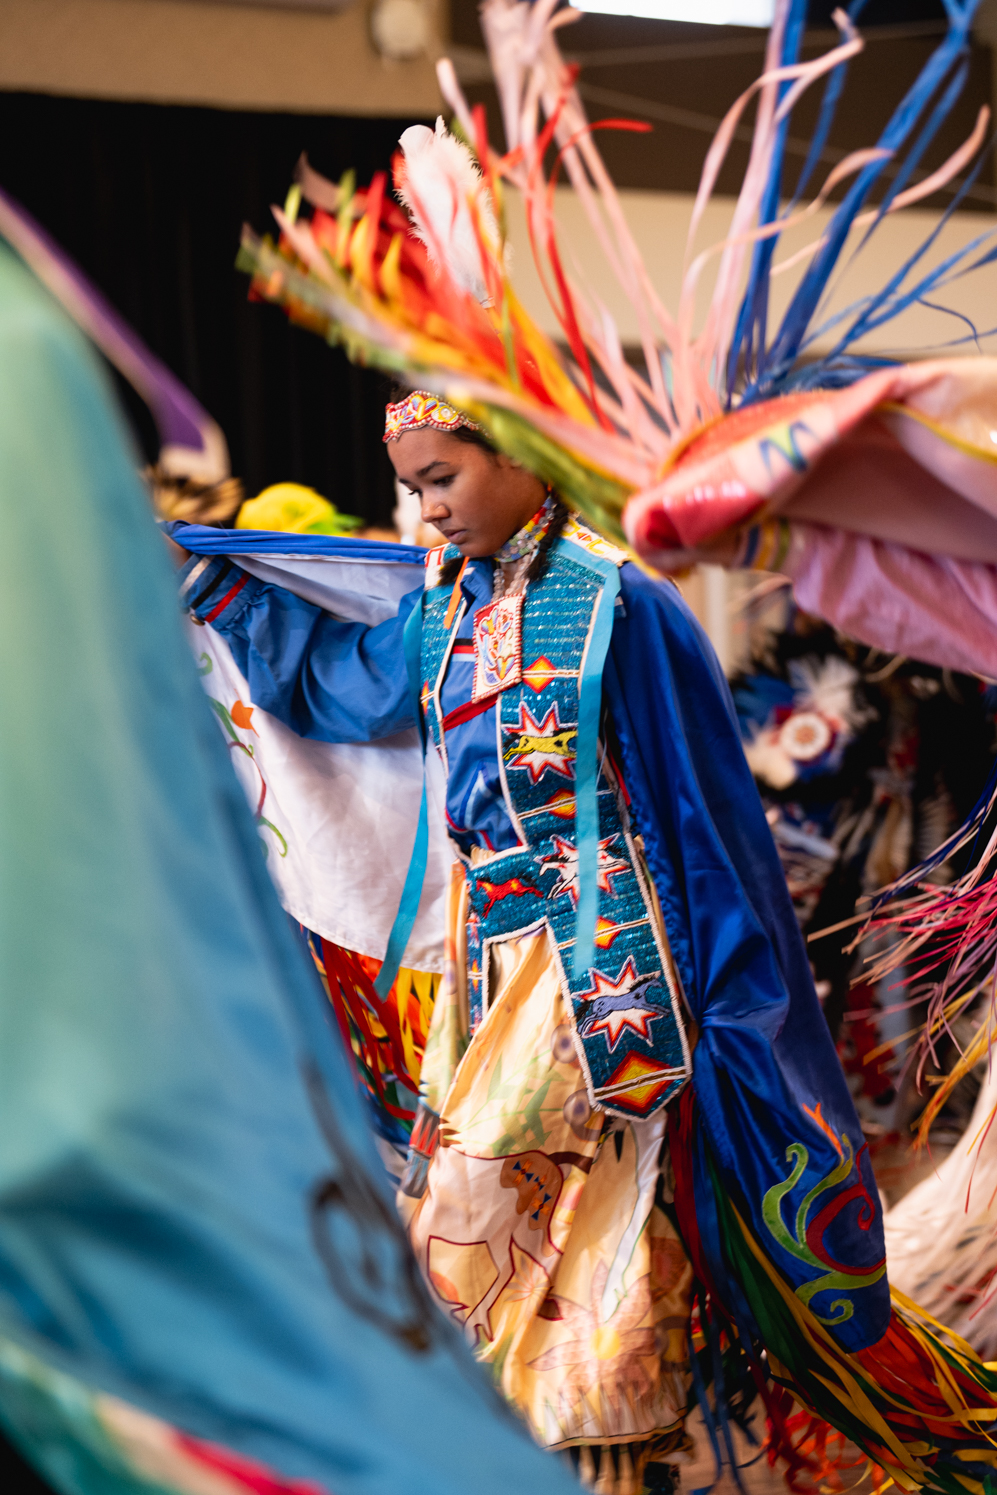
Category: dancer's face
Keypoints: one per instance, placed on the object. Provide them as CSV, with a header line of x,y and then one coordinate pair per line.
x,y
476,497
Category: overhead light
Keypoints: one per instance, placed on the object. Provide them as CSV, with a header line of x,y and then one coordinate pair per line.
x,y
704,12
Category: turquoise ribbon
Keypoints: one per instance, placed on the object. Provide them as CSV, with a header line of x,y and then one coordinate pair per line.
x,y
586,782
401,929
587,765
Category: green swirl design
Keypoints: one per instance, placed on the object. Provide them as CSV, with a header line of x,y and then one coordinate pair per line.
x,y
796,1244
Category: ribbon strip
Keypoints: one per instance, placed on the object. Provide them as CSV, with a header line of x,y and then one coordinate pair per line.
x,y
416,875
587,765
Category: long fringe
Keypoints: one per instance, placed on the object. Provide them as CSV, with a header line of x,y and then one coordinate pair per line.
x,y
942,947
919,1403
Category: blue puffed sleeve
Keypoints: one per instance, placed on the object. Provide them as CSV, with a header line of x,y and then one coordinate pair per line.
x,y
326,679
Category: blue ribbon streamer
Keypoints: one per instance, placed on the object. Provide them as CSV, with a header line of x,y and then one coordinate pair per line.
x,y
587,766
401,929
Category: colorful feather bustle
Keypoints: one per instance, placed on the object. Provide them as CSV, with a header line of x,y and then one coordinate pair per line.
x,y
724,424
362,272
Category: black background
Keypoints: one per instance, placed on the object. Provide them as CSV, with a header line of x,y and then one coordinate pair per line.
x,y
150,200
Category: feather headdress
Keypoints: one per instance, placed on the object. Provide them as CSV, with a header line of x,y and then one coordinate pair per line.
x,y
675,455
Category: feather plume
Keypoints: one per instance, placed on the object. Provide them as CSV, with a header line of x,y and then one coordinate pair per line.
x,y
428,293
440,185
828,686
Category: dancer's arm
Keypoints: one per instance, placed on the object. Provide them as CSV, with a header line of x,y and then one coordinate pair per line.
x,y
324,678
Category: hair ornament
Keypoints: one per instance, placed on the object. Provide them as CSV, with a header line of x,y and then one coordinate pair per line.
x,y
419,409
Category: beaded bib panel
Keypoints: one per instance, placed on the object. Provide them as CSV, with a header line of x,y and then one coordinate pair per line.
x,y
626,1026
498,646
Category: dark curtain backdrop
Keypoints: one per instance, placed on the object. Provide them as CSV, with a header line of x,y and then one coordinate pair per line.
x,y
150,200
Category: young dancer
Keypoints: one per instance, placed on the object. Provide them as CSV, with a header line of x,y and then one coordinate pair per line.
x,y
593,770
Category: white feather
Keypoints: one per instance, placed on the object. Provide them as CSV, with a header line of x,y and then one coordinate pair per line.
x,y
439,180
828,686
941,1239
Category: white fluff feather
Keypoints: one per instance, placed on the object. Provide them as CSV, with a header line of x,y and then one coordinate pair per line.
x,y
828,686
941,1239
769,761
440,178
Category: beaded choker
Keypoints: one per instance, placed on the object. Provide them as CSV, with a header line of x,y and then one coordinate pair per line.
x,y
525,541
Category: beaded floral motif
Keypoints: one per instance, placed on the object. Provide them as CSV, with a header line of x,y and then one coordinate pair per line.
x,y
498,646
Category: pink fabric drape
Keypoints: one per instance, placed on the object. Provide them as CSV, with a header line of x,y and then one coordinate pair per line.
x,y
934,608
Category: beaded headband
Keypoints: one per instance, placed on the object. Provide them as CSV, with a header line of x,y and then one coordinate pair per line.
x,y
419,409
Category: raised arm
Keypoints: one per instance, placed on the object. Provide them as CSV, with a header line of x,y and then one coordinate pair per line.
x,y
325,679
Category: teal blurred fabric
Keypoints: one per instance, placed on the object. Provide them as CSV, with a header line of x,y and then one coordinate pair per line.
x,y
172,1096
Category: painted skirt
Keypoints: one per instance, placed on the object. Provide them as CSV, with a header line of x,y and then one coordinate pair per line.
x,y
546,1229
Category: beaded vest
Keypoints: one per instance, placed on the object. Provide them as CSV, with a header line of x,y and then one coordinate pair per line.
x,y
624,1015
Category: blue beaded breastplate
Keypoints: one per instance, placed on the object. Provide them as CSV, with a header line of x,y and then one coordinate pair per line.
x,y
624,1009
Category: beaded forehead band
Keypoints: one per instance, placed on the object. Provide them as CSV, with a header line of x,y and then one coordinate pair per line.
x,y
419,409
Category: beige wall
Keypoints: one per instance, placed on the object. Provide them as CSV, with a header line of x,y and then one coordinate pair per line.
x,y
230,56
659,222
254,56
